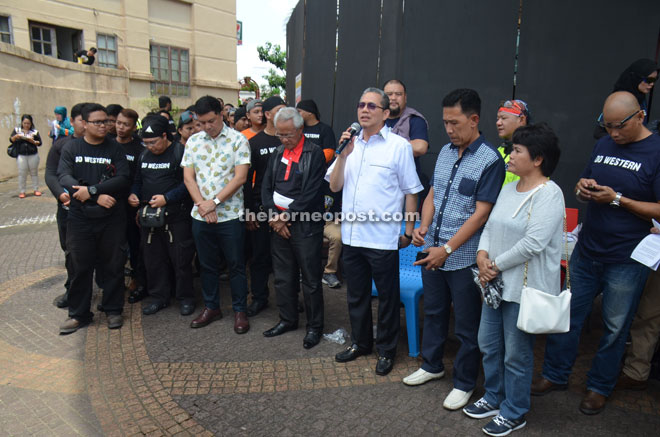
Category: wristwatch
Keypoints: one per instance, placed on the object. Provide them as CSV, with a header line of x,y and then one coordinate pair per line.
x,y
216,201
447,248
617,201
92,190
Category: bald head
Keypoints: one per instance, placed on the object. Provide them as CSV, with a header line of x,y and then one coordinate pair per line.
x,y
619,107
621,101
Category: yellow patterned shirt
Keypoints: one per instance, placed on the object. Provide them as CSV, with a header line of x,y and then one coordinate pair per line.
x,y
214,161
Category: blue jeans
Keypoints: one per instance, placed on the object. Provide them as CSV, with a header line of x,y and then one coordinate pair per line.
x,y
441,288
621,285
227,238
508,357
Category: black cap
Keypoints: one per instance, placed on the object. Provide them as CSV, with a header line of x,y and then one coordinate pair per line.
x,y
239,113
309,106
272,102
154,126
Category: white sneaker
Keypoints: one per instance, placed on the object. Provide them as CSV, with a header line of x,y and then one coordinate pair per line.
x,y
421,376
457,399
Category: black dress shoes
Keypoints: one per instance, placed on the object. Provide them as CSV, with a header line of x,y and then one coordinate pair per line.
x,y
187,309
256,307
279,329
350,354
137,295
153,308
384,366
311,339
61,301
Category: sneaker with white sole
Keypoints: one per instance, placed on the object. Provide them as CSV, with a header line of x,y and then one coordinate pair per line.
x,y
331,280
421,376
457,399
481,409
501,426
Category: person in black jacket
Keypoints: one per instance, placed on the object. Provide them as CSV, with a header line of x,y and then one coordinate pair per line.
x,y
168,250
293,197
95,172
62,195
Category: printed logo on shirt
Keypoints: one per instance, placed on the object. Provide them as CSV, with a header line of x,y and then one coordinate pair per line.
x,y
311,135
155,165
618,162
93,160
130,158
267,150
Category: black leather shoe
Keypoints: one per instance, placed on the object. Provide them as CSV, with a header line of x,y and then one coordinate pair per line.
x,y
350,354
256,307
153,308
187,309
311,339
61,301
384,366
279,329
137,295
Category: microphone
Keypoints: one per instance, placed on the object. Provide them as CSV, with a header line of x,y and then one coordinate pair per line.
x,y
354,129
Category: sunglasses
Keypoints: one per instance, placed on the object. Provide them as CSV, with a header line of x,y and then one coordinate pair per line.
x,y
650,80
619,125
370,106
518,105
187,117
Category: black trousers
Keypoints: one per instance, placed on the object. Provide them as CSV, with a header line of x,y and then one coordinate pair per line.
x,y
291,257
261,263
61,217
360,266
134,252
96,242
168,254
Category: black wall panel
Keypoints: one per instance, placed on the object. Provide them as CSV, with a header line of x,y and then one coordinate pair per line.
x,y
294,50
357,58
571,53
318,77
391,43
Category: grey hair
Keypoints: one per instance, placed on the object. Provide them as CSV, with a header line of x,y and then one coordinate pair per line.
x,y
384,100
289,113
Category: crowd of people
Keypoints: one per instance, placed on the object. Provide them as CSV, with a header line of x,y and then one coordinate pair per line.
x,y
258,188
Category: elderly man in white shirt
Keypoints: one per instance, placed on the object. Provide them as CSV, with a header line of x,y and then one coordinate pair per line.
x,y
376,171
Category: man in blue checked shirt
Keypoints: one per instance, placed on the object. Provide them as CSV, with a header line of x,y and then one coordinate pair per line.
x,y
466,181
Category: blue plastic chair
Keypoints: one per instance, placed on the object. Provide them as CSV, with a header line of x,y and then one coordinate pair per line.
x,y
410,278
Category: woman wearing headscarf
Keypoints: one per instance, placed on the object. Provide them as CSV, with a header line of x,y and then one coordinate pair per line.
x,y
62,126
26,138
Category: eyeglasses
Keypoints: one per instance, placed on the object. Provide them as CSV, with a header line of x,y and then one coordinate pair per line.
x,y
650,80
370,106
99,123
619,125
150,143
187,117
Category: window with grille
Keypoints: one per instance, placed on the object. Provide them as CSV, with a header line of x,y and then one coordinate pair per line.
x,y
5,29
170,69
106,46
43,40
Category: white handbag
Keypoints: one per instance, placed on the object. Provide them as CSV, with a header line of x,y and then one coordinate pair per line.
x,y
543,313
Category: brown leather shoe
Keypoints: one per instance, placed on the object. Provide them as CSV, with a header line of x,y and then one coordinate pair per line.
x,y
241,323
592,403
207,316
541,386
625,382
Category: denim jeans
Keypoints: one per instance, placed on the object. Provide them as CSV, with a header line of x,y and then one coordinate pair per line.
x,y
211,240
508,357
621,285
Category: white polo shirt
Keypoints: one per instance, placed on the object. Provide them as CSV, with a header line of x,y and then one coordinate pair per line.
x,y
377,176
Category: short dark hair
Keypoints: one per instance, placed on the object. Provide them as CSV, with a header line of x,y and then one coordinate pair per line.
x,y
163,101
92,107
395,81
468,99
384,100
93,49
130,113
228,104
113,109
207,104
540,140
76,109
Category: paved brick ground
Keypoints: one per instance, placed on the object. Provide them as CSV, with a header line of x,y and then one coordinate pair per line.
x,y
156,376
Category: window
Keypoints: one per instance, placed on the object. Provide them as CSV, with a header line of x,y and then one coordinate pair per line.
x,y
43,40
5,29
170,69
107,50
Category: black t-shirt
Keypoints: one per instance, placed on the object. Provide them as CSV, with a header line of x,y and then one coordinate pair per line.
x,y
102,165
262,146
322,135
133,149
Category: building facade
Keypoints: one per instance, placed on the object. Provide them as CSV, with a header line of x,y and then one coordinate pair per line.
x,y
146,48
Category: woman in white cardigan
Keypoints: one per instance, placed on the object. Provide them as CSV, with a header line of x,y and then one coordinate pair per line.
x,y
525,225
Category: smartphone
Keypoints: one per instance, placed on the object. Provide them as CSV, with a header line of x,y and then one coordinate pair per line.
x,y
421,256
593,189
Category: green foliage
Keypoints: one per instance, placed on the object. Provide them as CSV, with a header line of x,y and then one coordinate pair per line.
x,y
273,54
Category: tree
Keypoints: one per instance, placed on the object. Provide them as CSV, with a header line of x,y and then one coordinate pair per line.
x,y
273,54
